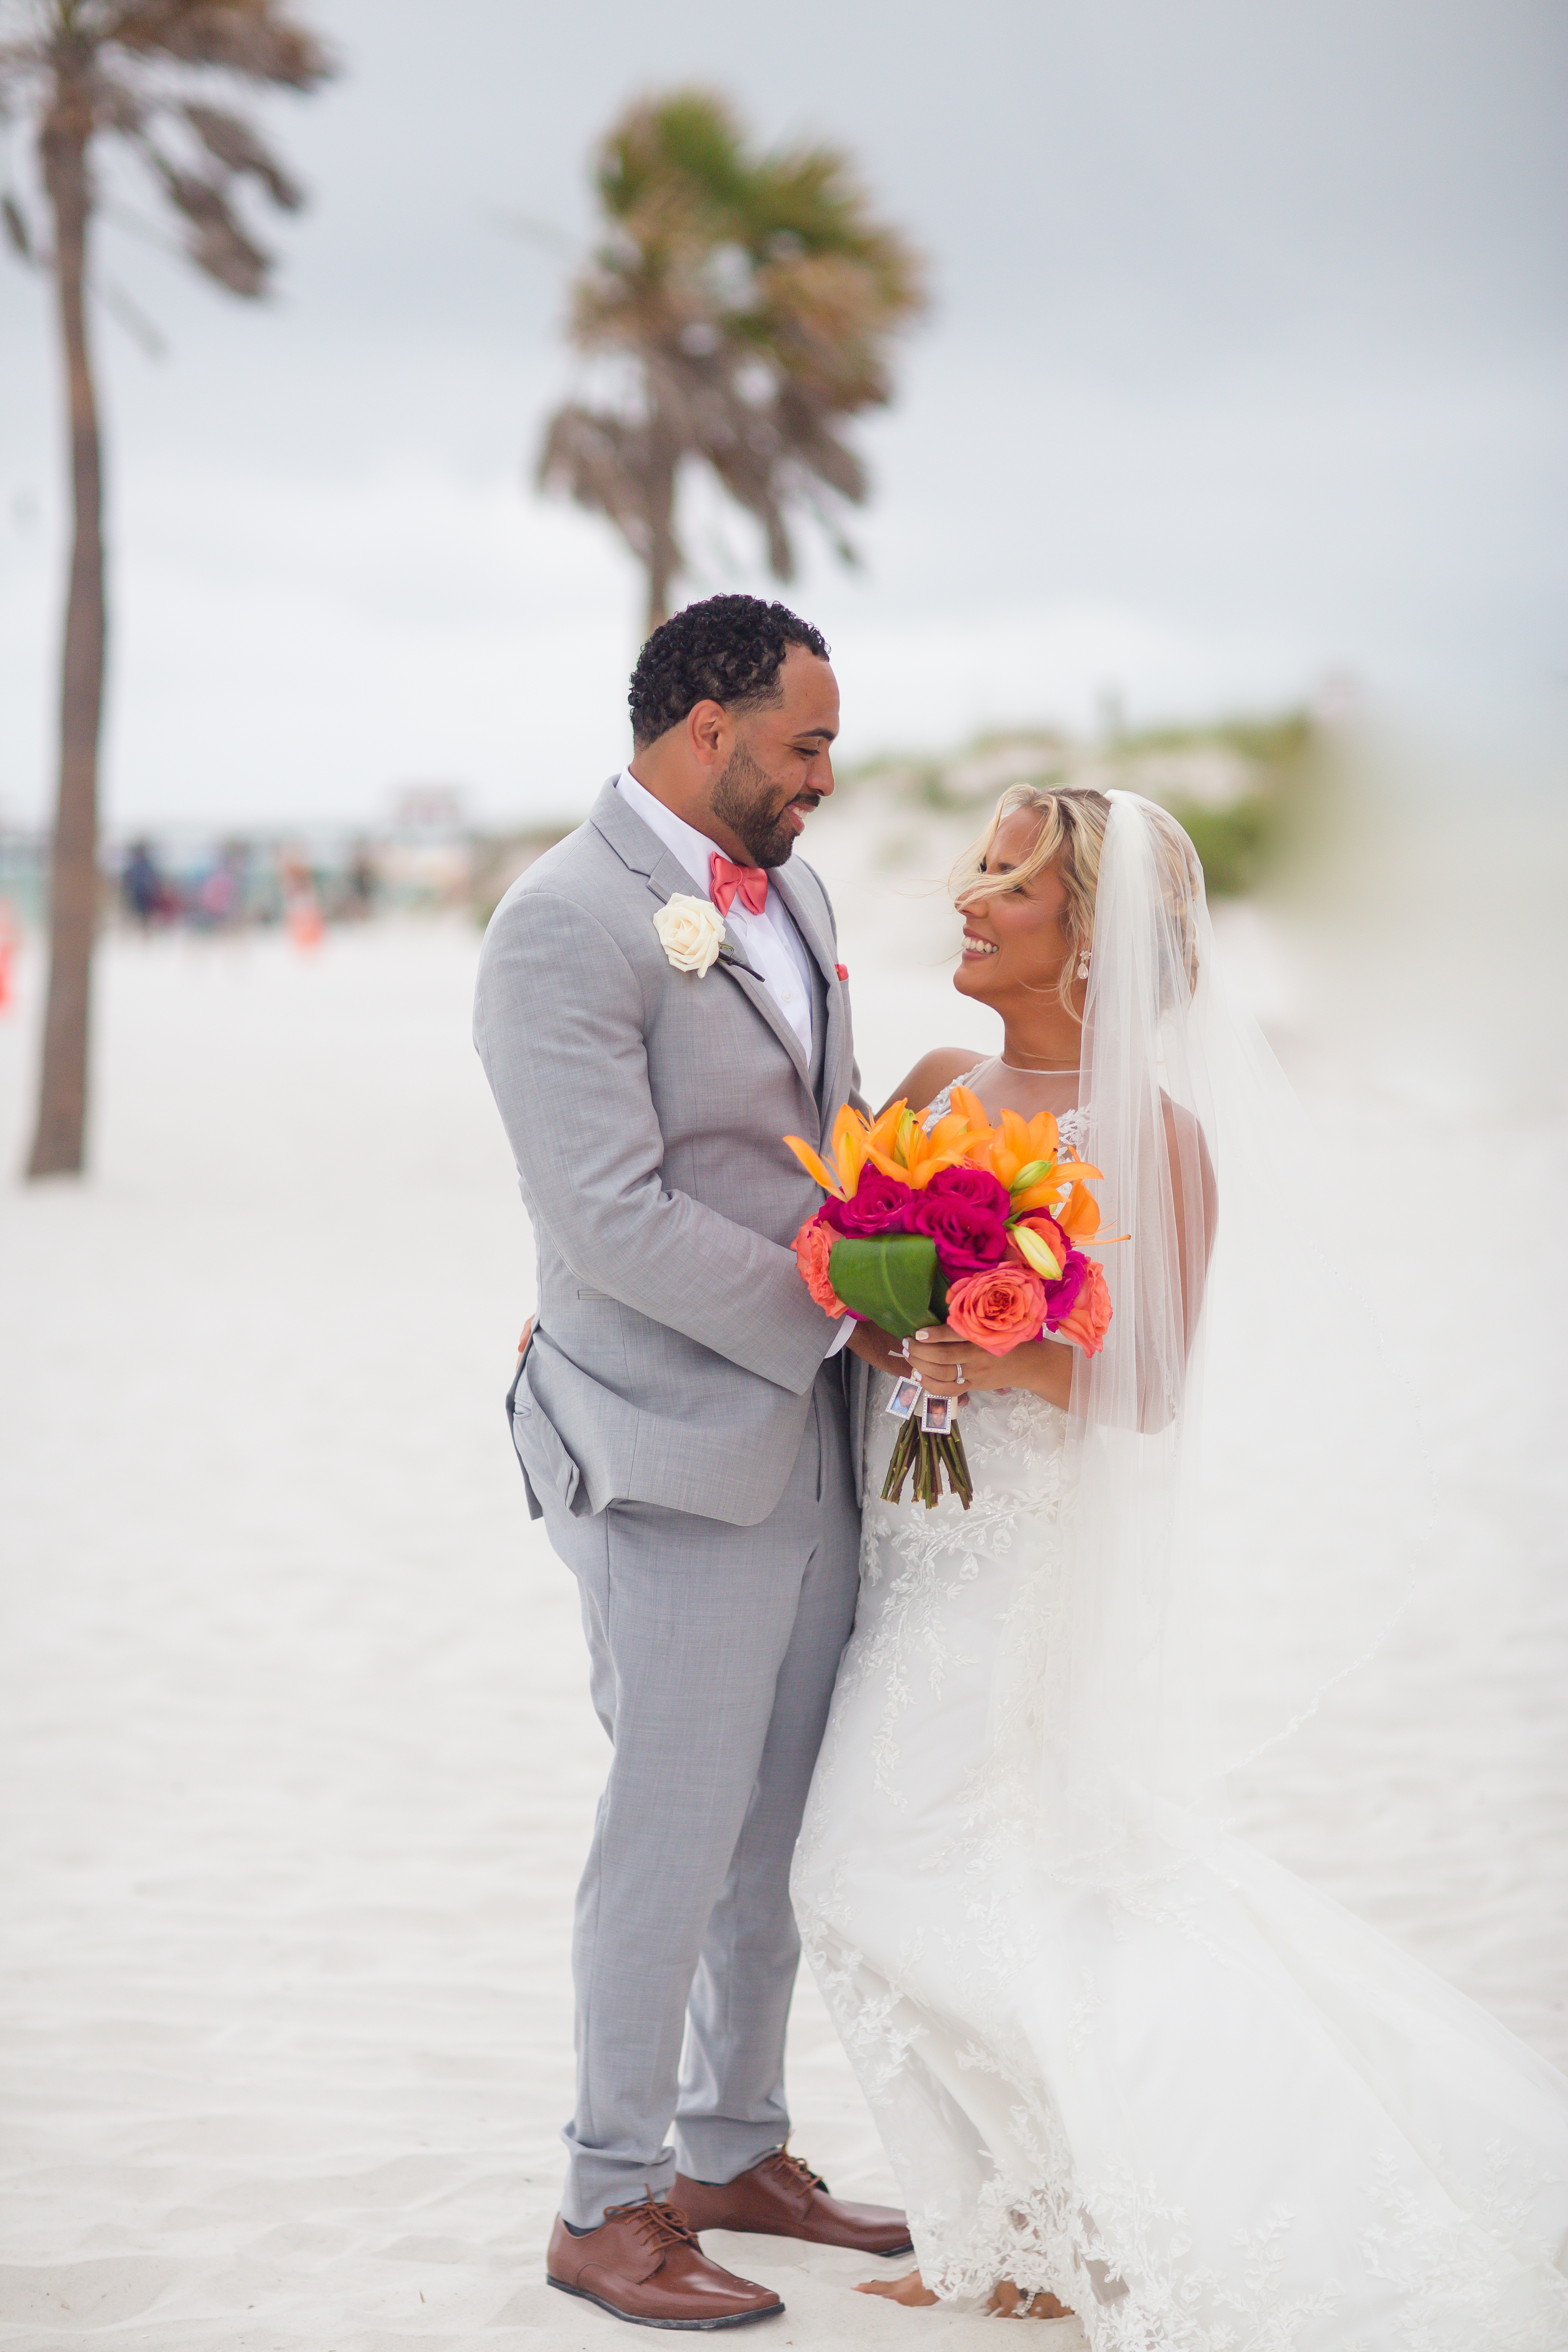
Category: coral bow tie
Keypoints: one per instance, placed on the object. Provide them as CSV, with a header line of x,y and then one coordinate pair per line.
x,y
726,883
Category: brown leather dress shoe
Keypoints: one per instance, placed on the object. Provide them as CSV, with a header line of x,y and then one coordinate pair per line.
x,y
643,2264
781,2198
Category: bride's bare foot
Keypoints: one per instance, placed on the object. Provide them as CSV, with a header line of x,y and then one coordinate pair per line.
x,y
1006,2303
911,2289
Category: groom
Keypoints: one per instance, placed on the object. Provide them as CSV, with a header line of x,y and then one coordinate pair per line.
x,y
681,1414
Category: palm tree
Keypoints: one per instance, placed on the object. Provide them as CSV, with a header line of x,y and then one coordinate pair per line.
x,y
750,302
140,72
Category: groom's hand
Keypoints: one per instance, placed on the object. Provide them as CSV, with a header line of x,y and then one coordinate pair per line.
x,y
877,1347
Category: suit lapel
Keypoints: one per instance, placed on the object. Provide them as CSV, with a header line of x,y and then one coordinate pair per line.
x,y
806,920
666,877
819,944
759,993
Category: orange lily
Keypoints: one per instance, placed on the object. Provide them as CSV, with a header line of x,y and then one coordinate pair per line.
x,y
887,1139
1078,1216
990,1152
1031,1138
852,1136
814,1165
898,1143
914,1157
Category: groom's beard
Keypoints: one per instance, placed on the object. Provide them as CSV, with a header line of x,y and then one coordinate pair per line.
x,y
747,799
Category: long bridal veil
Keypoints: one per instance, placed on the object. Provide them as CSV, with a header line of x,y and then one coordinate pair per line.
x,y
1250,1506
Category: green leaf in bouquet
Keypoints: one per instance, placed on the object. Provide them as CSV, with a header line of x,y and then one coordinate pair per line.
x,y
888,1277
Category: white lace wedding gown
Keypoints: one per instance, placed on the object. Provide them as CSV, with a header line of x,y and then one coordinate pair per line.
x,y
1223,2117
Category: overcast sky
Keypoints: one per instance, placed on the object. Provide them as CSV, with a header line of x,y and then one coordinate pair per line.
x,y
1246,365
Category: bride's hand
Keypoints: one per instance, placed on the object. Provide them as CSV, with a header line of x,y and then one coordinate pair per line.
x,y
948,1366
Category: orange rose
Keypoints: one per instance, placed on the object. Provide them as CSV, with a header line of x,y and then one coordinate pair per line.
x,y
999,1309
813,1249
1089,1319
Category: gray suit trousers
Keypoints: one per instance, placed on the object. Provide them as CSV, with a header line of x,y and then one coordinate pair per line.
x,y
713,1652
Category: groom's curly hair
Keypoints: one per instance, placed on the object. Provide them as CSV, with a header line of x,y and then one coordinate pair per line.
x,y
727,649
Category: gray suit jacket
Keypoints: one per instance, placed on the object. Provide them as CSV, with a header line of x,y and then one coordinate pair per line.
x,y
676,1344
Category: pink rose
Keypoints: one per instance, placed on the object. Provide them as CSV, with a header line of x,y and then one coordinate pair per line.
x,y
878,1204
999,1309
975,1186
969,1235
812,1250
1089,1318
1062,1297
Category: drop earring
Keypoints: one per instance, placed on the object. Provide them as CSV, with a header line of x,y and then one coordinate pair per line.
x,y
1083,963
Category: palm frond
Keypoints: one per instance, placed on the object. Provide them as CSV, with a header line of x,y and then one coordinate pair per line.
x,y
255,39
19,236
115,106
600,460
218,244
233,143
222,249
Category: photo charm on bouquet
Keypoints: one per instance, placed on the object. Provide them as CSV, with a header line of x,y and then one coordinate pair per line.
x,y
905,1397
982,1228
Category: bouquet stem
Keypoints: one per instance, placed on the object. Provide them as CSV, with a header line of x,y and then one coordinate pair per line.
x,y
929,1457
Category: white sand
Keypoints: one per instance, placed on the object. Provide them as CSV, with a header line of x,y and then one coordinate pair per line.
x,y
298,1761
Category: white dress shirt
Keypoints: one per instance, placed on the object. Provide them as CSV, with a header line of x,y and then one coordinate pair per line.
x,y
769,942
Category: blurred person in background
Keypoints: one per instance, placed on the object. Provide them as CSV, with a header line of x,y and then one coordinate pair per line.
x,y
302,915
359,890
149,896
216,899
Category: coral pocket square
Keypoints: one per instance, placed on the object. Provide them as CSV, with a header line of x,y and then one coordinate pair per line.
x,y
842,970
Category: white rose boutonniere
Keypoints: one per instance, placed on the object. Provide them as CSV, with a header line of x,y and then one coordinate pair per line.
x,y
690,931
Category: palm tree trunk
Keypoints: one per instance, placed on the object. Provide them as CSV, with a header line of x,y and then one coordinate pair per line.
x,y
663,560
73,905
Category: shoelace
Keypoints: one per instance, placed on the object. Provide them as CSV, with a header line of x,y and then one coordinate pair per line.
x,y
793,2173
662,2226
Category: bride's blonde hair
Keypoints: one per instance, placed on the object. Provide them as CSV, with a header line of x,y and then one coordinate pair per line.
x,y
1073,819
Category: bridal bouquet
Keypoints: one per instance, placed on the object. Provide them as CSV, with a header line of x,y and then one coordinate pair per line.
x,y
974,1226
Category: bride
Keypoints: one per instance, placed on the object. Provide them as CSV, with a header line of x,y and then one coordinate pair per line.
x,y
1123,2064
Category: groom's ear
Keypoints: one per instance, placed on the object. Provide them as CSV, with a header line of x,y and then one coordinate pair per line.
x,y
709,732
